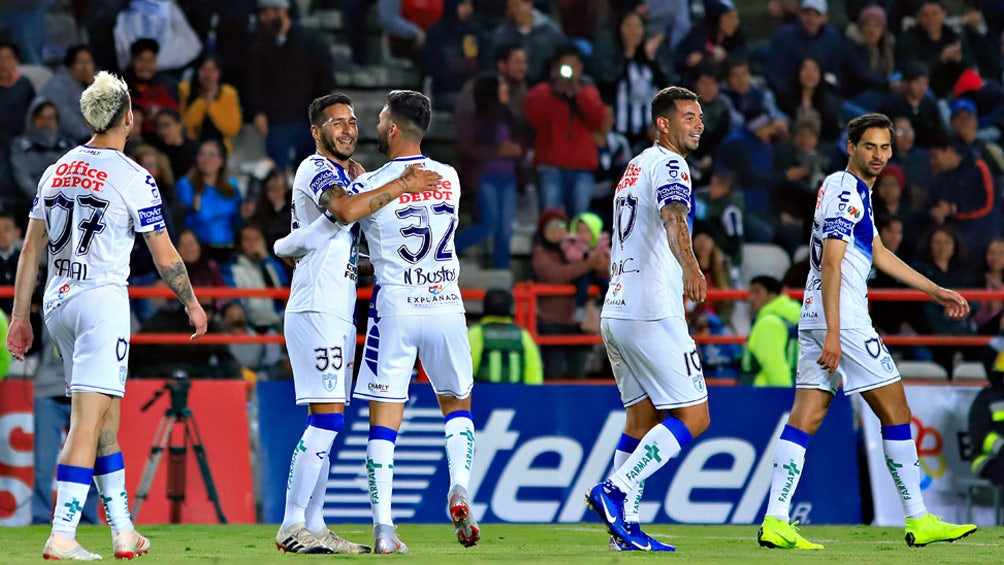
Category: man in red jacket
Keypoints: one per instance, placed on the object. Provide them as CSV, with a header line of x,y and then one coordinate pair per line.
x,y
564,112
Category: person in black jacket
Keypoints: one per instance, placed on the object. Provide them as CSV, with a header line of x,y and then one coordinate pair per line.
x,y
986,423
453,52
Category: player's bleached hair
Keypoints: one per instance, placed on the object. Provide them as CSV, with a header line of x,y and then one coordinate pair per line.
x,y
105,102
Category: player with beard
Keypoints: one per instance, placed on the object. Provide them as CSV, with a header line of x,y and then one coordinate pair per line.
x,y
840,346
319,322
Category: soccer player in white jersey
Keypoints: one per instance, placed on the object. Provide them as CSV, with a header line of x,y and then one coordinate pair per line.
x,y
654,360
319,322
89,206
839,345
416,310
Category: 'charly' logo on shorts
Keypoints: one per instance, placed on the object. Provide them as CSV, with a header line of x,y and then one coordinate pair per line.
x,y
378,387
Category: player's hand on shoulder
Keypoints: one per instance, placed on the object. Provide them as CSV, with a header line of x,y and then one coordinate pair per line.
x,y
355,169
417,178
197,318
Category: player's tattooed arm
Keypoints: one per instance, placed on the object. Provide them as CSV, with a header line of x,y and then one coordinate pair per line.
x,y
674,219
330,194
171,269
379,201
355,206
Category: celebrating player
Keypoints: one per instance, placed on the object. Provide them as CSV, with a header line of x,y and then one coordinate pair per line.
x,y
654,360
89,206
319,324
838,342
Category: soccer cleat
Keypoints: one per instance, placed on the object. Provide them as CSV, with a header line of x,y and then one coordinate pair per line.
x,y
608,502
386,540
930,529
129,544
298,539
639,541
778,534
339,545
467,529
58,547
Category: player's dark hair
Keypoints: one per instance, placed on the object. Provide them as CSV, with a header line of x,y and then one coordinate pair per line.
x,y
664,102
411,111
772,285
498,302
315,113
859,125
142,45
73,51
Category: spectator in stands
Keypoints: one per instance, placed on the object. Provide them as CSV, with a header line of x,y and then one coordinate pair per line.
x,y
583,21
99,22
964,126
10,252
666,21
502,351
942,258
630,79
717,269
65,88
770,357
455,48
988,317
491,141
815,98
212,200
16,94
222,25
24,23
982,21
536,33
38,147
615,153
812,37
712,40
355,11
564,113
162,22
159,167
273,212
891,317
874,45
914,160
254,266
891,198
986,425
406,23
964,194
554,313
170,139
209,108
151,90
290,66
586,237
748,151
803,165
936,45
987,95
718,113
748,99
723,209
257,360
914,103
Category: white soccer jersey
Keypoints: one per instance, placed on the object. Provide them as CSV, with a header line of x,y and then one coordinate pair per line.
x,y
646,281
411,242
93,202
324,279
844,212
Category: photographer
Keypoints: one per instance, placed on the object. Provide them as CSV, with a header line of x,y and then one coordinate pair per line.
x,y
565,111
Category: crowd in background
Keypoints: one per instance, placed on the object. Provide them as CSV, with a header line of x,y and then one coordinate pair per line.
x,y
550,97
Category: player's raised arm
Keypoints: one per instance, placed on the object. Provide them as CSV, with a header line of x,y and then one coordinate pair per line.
x,y
886,261
172,270
674,219
20,334
348,208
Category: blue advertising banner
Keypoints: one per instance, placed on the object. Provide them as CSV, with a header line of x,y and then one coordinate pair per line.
x,y
539,448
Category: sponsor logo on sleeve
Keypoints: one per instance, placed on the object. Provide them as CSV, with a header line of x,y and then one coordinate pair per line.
x,y
674,192
837,227
150,216
322,181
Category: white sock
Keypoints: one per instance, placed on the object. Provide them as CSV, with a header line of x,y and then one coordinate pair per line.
x,y
789,460
314,513
632,504
658,446
72,484
109,477
904,466
459,430
380,472
305,466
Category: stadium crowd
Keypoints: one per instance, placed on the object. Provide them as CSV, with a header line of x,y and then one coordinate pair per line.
x,y
550,98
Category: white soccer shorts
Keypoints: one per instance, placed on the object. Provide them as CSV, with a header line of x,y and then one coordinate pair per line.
x,y
393,342
92,331
322,350
865,363
655,359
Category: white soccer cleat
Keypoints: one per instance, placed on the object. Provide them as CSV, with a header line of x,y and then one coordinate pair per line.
x,y
385,540
58,547
339,545
129,544
298,539
466,527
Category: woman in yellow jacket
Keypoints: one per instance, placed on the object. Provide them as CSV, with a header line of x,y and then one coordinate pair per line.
x,y
209,109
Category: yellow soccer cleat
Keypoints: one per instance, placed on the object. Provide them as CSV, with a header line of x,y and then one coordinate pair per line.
x,y
930,528
778,534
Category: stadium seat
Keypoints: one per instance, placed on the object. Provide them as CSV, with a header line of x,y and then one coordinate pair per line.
x,y
926,370
763,259
38,75
801,253
972,372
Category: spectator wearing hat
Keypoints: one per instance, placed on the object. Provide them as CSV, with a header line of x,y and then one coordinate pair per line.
x,y
988,97
986,423
502,351
933,43
810,36
964,125
892,198
914,103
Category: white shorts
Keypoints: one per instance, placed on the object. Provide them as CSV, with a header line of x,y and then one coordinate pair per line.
x,y
392,343
654,359
865,363
92,332
322,350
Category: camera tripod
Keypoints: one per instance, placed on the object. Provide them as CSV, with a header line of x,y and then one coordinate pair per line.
x,y
177,413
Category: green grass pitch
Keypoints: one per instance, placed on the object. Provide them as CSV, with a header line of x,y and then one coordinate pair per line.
x,y
582,543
